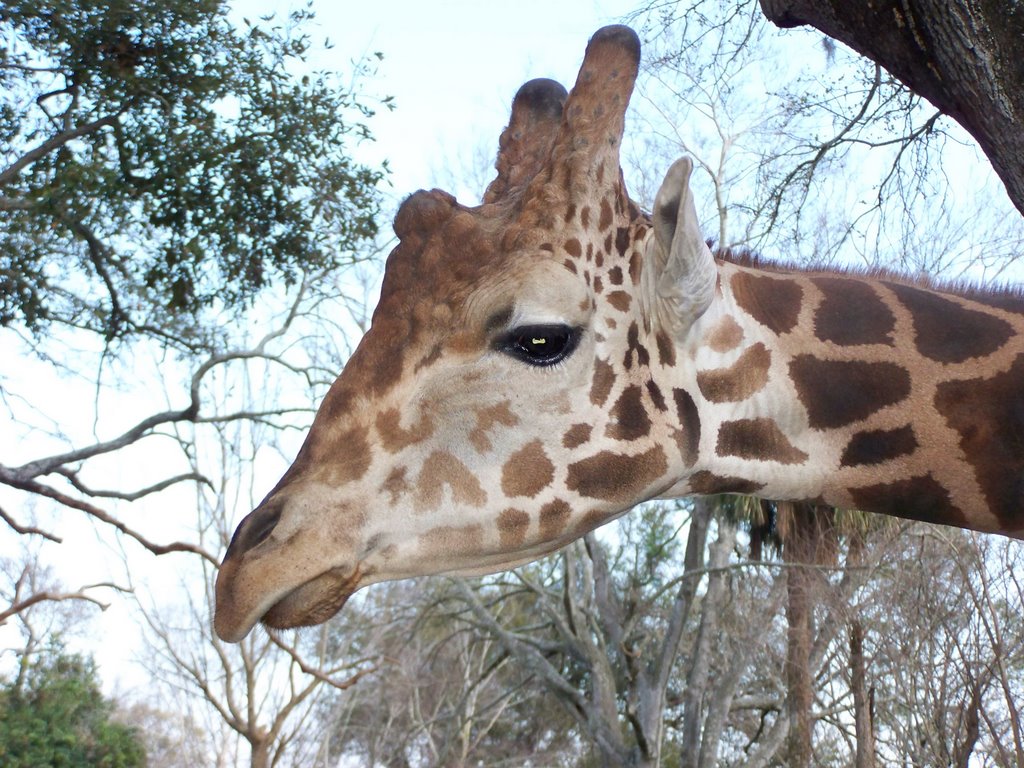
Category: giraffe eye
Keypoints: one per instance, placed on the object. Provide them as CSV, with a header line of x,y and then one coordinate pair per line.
x,y
540,345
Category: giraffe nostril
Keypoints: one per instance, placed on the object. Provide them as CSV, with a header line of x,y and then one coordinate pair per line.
x,y
254,529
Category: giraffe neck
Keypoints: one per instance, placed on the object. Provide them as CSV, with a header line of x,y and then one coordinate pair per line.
x,y
860,393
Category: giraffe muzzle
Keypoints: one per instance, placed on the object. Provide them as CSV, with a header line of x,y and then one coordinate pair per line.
x,y
261,579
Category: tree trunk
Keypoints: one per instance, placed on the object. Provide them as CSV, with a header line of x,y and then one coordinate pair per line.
x,y
801,550
653,680
799,695
863,699
700,665
971,728
964,57
260,745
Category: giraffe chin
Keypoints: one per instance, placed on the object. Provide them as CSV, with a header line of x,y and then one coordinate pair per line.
x,y
315,601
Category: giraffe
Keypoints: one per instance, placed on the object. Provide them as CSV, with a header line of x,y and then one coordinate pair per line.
x,y
540,363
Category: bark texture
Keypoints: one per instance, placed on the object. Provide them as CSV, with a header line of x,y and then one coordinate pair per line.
x,y
863,699
964,56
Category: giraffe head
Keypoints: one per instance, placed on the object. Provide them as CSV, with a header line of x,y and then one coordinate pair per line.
x,y
502,402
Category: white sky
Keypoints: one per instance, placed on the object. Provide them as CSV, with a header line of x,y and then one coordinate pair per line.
x,y
453,66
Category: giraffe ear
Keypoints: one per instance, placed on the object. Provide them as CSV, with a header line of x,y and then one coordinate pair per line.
x,y
683,279
525,145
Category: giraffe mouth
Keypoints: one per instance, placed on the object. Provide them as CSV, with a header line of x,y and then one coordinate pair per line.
x,y
315,601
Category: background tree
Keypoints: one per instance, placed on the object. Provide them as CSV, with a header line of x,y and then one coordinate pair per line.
x,y
157,159
443,694
961,56
56,715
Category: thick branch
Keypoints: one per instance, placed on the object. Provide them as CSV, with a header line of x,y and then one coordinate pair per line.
x,y
31,486
963,57
54,142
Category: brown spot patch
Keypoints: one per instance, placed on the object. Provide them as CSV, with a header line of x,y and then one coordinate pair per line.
x,y
430,358
629,419
727,334
740,380
615,477
570,265
948,332
443,469
396,484
573,248
689,426
666,349
706,483
486,419
988,413
351,458
553,518
622,241
836,393
591,520
876,446
656,397
585,216
598,284
606,215
620,300
601,386
636,266
448,540
851,313
635,351
615,275
512,527
757,439
577,435
916,498
528,471
773,302
394,438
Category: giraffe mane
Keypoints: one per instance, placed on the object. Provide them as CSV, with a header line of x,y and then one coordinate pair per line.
x,y
1006,297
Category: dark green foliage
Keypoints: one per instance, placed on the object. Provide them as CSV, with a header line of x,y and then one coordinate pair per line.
x,y
155,160
54,715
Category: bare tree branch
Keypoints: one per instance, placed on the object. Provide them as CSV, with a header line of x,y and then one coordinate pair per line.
x,y
27,529
32,486
57,597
